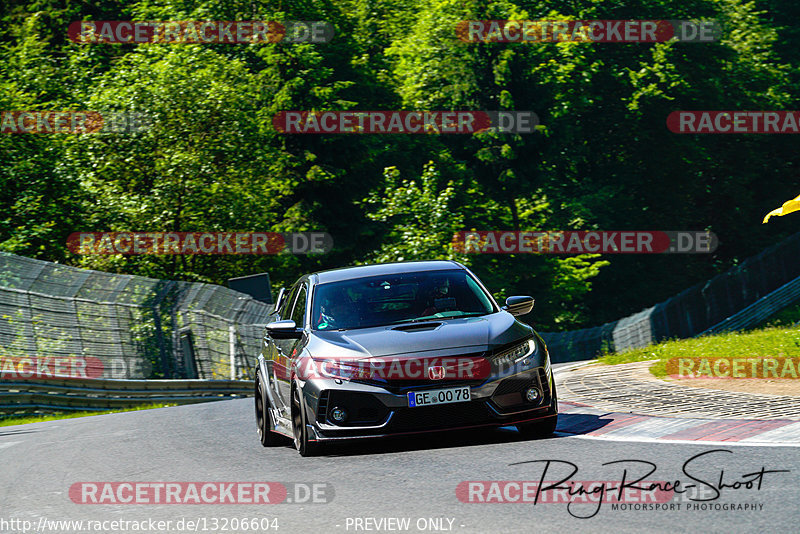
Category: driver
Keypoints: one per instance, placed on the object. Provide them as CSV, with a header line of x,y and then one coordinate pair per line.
x,y
338,311
440,290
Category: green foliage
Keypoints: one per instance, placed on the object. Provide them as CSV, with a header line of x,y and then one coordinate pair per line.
x,y
773,342
789,316
421,218
602,158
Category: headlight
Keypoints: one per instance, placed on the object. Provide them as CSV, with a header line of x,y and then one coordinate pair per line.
x,y
516,354
343,370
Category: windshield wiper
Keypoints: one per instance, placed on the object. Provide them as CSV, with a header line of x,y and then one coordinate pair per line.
x,y
464,314
401,321
423,319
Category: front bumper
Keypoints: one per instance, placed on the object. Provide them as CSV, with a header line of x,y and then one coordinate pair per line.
x,y
382,410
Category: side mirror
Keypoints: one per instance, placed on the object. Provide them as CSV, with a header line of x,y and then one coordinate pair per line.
x,y
283,330
518,305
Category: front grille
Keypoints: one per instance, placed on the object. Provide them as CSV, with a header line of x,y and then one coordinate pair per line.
x,y
393,380
442,416
400,386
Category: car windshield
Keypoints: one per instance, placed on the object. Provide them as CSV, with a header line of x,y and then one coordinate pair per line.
x,y
398,298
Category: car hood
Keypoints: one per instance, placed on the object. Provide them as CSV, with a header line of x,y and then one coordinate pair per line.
x,y
444,338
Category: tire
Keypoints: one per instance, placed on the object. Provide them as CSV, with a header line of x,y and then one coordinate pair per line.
x,y
264,423
300,429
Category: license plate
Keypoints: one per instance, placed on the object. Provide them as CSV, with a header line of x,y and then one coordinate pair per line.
x,y
438,396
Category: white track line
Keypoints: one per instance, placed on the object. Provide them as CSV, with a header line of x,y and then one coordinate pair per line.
x,y
571,366
679,441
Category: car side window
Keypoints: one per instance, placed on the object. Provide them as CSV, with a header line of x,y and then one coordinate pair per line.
x,y
299,312
286,308
280,300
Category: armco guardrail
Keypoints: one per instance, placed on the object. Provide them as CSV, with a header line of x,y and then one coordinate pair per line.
x,y
28,396
741,297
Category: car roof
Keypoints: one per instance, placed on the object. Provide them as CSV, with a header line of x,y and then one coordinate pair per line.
x,y
363,271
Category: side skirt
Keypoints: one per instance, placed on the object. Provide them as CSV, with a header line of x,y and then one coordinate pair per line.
x,y
283,426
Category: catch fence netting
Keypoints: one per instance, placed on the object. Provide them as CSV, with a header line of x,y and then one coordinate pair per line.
x,y
108,325
739,298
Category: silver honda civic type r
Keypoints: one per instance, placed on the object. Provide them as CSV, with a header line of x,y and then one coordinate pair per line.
x,y
399,348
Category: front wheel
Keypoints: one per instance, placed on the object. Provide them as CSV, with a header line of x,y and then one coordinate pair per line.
x,y
302,441
264,422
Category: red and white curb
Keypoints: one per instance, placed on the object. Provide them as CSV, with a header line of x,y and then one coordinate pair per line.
x,y
580,420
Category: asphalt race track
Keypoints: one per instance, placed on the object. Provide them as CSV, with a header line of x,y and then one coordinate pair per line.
x,y
399,485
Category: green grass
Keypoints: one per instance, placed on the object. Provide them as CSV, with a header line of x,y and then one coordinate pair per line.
x,y
24,420
786,317
773,341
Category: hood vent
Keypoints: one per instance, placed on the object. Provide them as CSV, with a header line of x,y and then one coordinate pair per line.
x,y
413,327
